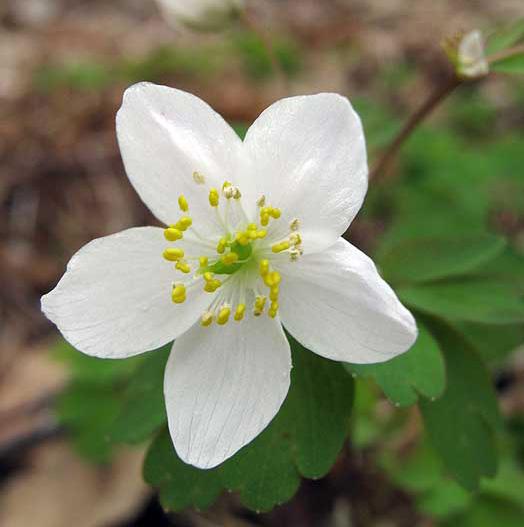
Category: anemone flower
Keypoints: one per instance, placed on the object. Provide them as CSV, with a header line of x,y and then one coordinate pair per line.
x,y
252,243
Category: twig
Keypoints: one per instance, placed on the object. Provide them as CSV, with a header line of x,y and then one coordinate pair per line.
x,y
505,54
435,98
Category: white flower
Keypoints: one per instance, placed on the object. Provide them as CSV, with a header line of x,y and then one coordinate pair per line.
x,y
200,13
471,59
253,242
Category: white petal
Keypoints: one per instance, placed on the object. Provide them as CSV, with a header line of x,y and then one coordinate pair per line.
x,y
165,135
223,385
115,298
336,304
308,155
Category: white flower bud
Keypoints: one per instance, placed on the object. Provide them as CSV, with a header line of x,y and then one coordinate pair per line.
x,y
200,14
471,59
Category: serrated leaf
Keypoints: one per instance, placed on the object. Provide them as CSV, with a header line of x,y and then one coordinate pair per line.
x,y
461,423
505,37
304,439
143,409
419,370
179,485
422,260
471,300
512,64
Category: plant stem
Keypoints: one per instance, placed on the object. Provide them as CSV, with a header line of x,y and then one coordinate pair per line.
x,y
435,98
506,53
249,20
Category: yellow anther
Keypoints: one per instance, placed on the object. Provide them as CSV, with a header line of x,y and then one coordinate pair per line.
x,y
178,293
262,233
213,197
240,311
236,193
261,201
242,238
198,178
252,235
208,276
273,309
260,302
294,225
173,254
212,286
223,315
281,246
263,267
172,234
226,185
221,245
252,227
264,219
229,258
295,238
183,266
203,261
183,223
274,213
206,319
182,203
273,293
272,278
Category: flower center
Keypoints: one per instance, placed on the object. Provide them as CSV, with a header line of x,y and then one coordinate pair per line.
x,y
241,264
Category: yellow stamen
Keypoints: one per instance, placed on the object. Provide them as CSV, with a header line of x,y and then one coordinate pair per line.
x,y
264,219
213,197
242,238
240,311
260,302
281,246
263,267
295,238
173,254
212,286
223,315
183,266
182,203
272,311
262,233
229,258
203,260
252,235
184,223
272,278
206,319
273,293
208,276
274,213
226,185
198,178
178,293
172,234
252,227
221,246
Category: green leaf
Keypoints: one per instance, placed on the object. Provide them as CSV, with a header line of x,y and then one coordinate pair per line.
x,y
143,408
179,485
428,259
511,64
488,512
505,37
419,370
88,414
304,439
471,300
461,424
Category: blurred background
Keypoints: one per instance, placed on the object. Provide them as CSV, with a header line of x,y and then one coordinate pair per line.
x,y
63,67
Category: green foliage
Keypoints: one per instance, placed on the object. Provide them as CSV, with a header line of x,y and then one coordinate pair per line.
x,y
304,439
462,422
257,60
505,37
419,371
511,64
421,260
